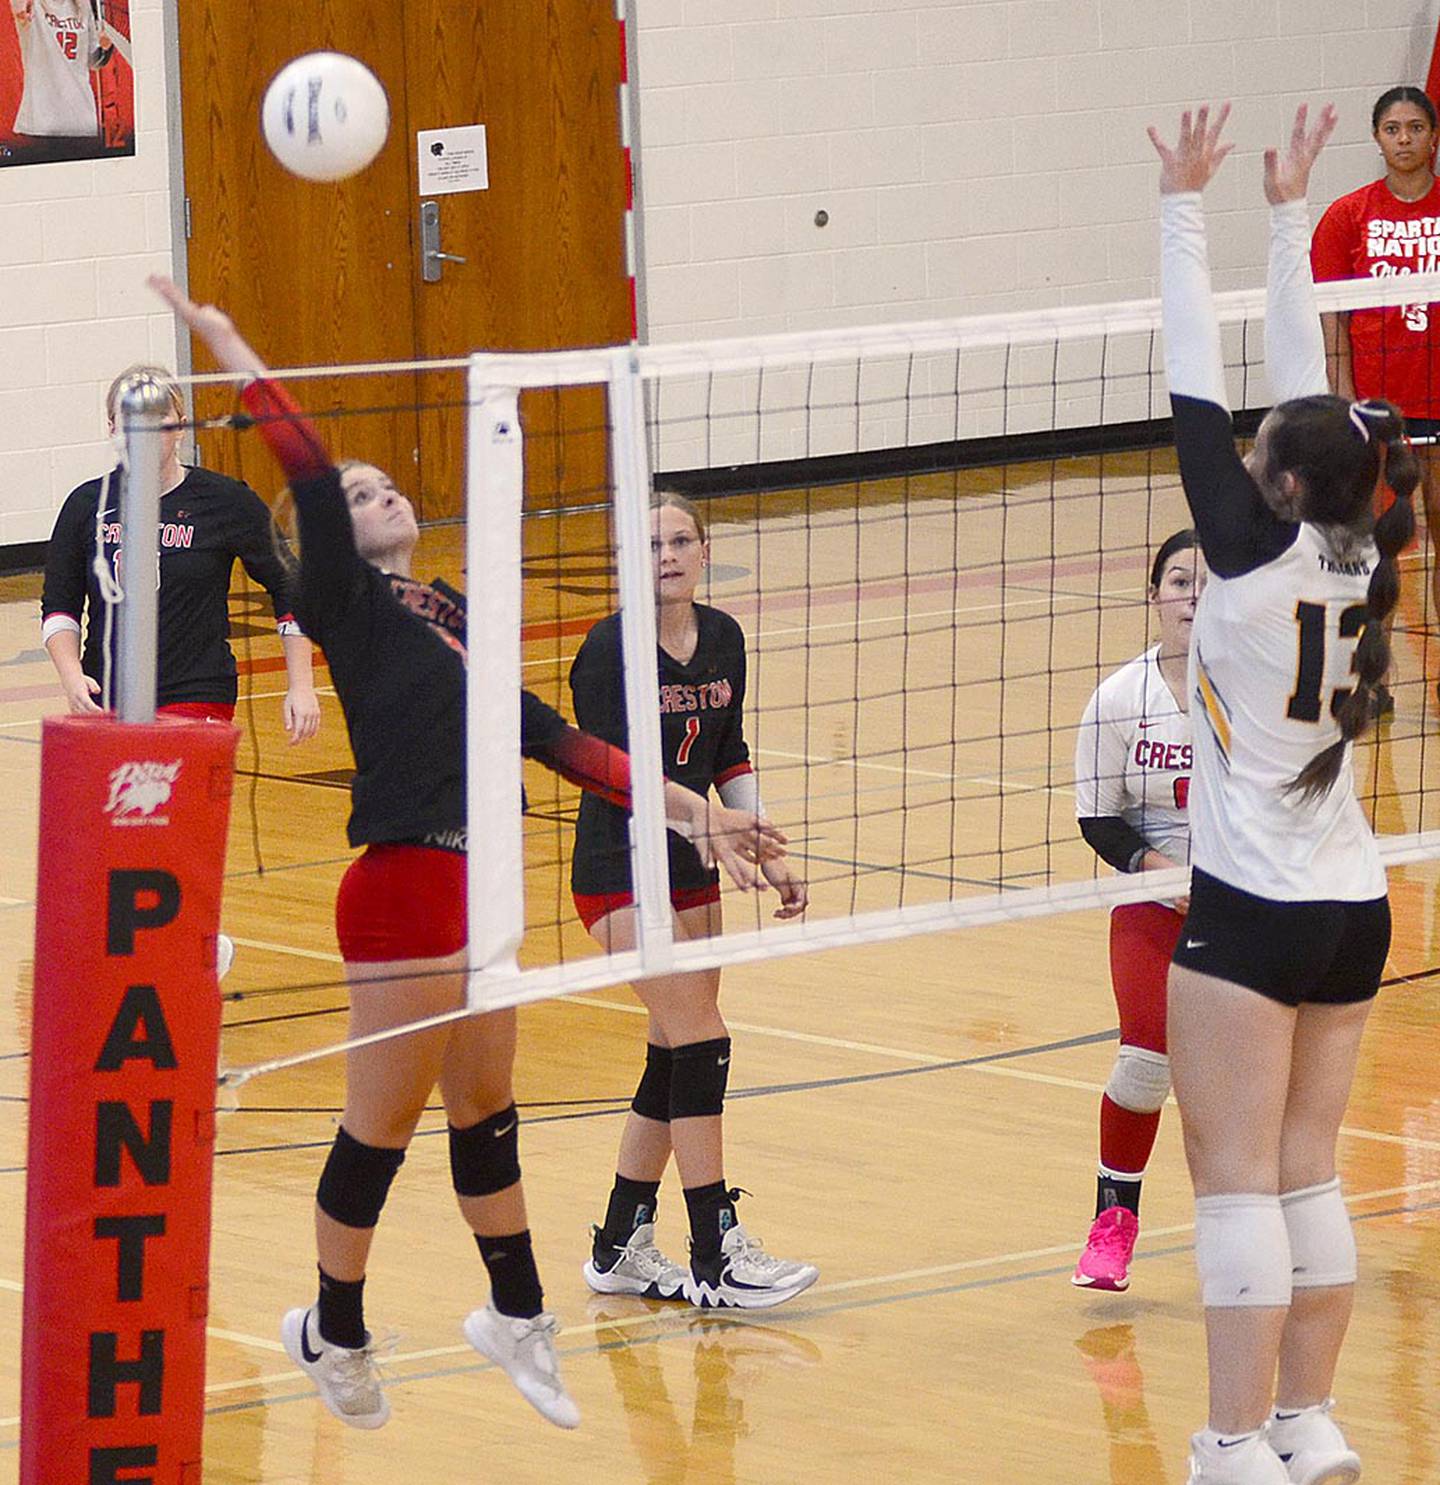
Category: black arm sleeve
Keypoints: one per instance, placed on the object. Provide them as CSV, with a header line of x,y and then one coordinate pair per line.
x,y
597,684
1238,531
1113,840
331,572
67,557
540,725
733,755
255,547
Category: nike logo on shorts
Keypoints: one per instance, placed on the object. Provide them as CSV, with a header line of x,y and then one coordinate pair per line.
x,y
1196,943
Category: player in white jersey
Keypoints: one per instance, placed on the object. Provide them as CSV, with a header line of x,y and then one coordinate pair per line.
x,y
1132,782
1289,926
60,45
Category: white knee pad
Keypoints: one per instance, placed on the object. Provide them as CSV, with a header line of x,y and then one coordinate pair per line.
x,y
1322,1241
1140,1080
1242,1249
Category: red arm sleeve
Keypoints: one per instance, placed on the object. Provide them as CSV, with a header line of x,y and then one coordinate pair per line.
x,y
594,765
290,435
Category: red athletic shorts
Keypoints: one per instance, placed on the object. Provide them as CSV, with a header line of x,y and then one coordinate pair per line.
x,y
592,906
401,902
201,711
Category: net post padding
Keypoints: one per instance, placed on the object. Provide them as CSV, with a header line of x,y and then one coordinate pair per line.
x,y
122,1096
495,480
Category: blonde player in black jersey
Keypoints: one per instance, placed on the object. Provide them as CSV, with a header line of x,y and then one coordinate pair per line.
x,y
678,1103
207,522
397,653
1132,786
1289,924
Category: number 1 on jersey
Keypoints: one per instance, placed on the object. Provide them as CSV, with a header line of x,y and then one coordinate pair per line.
x,y
692,731
1304,704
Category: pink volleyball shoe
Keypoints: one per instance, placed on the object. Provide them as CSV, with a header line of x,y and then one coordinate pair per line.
x,y
1105,1263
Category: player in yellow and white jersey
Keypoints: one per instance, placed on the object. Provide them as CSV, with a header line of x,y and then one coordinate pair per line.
x,y
1286,938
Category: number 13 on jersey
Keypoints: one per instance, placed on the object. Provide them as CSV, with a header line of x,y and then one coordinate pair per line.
x,y
1311,639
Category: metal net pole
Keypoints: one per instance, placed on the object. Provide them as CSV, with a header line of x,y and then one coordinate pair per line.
x,y
144,410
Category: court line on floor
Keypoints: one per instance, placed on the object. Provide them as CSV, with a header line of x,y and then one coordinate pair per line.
x,y
325,956
996,1064
845,1286
253,696
899,1054
791,1315
908,771
812,1038
788,631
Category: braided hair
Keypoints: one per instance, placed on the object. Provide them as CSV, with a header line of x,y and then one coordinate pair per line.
x,y
1338,451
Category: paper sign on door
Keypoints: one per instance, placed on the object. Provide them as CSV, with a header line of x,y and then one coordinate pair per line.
x,y
453,160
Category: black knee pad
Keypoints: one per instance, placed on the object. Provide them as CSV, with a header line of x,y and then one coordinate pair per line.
x,y
652,1096
356,1180
485,1158
699,1073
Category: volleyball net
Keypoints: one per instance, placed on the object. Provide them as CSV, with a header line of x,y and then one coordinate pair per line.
x,y
936,539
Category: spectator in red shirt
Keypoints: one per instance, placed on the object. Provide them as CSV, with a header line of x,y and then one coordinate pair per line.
x,y
1390,228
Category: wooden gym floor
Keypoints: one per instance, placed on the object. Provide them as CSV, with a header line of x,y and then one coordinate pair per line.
x,y
917,1118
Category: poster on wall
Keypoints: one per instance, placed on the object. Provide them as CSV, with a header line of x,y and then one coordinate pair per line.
x,y
67,86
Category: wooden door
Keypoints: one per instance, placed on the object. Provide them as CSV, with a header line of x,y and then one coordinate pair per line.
x,y
313,274
323,274
545,245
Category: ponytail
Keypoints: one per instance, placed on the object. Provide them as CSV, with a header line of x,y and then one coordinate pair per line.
x,y
1380,423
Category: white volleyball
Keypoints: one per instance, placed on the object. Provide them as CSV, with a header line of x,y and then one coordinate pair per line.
x,y
325,116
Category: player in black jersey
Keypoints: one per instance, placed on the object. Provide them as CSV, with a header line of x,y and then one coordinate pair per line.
x,y
678,1104
396,648
207,521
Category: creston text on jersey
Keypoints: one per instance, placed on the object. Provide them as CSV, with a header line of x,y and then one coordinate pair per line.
x,y
707,696
1170,756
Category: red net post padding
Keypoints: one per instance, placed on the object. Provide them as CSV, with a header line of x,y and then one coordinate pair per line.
x,y
122,1099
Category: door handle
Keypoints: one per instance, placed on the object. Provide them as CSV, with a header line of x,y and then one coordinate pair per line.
x,y
432,258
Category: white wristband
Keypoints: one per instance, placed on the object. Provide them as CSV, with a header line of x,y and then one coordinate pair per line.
x,y
58,624
741,792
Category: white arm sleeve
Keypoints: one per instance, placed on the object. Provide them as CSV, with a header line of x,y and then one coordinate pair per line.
x,y
1294,341
57,624
1101,751
741,793
1193,363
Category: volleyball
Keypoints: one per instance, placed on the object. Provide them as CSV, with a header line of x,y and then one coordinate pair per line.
x,y
325,116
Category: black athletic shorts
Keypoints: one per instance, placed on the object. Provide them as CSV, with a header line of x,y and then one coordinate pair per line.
x,y
1327,953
